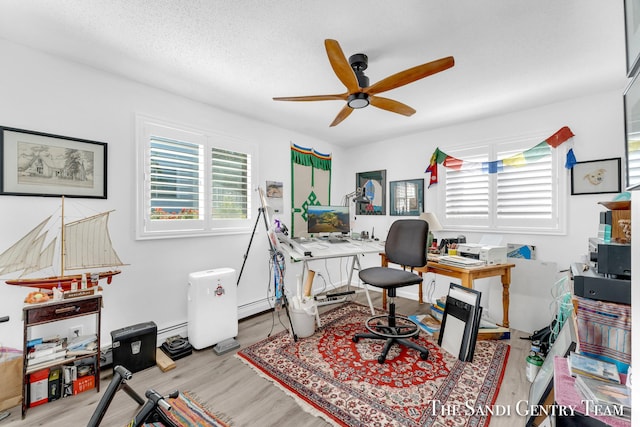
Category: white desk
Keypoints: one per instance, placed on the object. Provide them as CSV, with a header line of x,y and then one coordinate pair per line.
x,y
321,250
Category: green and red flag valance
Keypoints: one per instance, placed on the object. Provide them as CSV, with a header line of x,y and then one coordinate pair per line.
x,y
310,157
531,155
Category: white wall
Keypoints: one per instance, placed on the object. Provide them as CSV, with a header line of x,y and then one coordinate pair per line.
x,y
597,122
46,94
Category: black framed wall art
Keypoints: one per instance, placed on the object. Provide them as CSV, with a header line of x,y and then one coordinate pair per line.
x,y
406,198
374,184
596,177
41,164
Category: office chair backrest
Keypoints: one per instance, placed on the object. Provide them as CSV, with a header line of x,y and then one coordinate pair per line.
x,y
407,242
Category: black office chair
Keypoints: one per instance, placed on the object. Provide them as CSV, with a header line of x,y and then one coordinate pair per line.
x,y
406,246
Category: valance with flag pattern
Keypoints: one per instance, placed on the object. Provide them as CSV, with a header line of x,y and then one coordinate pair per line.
x,y
531,155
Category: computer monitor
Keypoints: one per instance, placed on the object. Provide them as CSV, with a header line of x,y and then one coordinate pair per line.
x,y
326,220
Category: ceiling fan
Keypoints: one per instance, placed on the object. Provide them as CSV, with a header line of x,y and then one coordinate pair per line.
x,y
359,94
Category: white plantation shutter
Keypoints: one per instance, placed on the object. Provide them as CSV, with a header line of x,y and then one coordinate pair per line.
x,y
527,198
175,177
525,192
230,179
194,183
467,192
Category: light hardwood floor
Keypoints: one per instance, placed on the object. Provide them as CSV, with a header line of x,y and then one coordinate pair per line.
x,y
233,390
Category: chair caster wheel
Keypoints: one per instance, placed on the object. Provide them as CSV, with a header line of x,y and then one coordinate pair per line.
x,y
381,359
354,339
424,355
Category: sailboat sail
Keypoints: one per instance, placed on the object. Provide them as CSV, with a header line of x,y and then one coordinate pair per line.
x,y
88,244
40,260
26,253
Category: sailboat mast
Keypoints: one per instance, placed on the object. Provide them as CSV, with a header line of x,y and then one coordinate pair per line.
x,y
62,246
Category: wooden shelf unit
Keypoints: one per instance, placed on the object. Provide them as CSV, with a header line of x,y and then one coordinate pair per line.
x,y
54,311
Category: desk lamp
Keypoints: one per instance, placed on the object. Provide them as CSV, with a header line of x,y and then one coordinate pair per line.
x,y
434,225
358,196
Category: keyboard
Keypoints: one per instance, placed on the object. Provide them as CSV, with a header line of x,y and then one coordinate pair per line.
x,y
337,240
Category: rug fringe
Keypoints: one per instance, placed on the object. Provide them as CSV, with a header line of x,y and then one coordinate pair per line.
x,y
222,416
306,406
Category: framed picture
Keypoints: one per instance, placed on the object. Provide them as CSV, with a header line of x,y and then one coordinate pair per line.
x,y
632,134
374,184
41,164
596,177
406,198
632,31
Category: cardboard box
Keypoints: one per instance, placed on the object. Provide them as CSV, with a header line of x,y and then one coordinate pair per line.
x,y
39,387
11,390
83,384
55,384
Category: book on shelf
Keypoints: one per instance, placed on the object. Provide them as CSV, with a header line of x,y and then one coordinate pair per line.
x,y
48,358
45,348
580,364
82,342
35,341
426,322
605,397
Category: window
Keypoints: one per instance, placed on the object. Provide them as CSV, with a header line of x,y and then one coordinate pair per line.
x,y
192,182
527,198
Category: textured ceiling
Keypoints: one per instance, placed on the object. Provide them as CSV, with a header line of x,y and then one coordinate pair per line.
x,y
238,54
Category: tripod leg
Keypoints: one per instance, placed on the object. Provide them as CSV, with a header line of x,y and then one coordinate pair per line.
x,y
246,254
286,308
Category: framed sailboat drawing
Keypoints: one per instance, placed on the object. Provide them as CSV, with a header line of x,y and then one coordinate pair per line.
x,y
41,164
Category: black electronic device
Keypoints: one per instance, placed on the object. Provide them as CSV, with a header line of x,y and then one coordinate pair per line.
x,y
177,347
134,347
588,283
611,258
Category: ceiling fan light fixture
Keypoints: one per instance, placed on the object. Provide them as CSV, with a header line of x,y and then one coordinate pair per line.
x,y
358,100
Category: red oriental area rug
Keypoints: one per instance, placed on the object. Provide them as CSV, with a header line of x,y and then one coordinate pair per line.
x,y
331,376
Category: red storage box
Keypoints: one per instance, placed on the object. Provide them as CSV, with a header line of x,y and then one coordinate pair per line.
x,y
83,384
39,388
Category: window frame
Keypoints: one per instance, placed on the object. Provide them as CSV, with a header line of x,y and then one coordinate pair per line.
x,y
146,127
555,226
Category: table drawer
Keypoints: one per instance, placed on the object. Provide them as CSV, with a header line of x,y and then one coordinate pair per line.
x,y
63,310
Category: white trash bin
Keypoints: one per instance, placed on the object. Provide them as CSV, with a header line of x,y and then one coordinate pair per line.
x,y
303,319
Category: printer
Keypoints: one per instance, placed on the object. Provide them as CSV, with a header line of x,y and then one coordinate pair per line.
x,y
487,253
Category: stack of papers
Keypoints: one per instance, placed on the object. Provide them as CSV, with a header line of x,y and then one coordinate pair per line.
x,y
460,261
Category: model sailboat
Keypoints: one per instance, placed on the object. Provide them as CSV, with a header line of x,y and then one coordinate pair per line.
x,y
85,244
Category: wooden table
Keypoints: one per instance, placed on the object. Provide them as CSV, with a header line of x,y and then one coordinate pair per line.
x,y
467,276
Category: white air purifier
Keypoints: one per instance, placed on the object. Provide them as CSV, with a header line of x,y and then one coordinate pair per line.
x,y
213,309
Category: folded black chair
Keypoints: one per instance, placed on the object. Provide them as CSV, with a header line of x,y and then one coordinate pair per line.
x,y
406,246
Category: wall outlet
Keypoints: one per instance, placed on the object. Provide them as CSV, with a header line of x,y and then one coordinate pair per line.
x,y
75,331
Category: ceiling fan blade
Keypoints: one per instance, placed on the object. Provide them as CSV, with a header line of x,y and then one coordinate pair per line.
x,y
411,75
341,66
337,97
391,105
343,114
